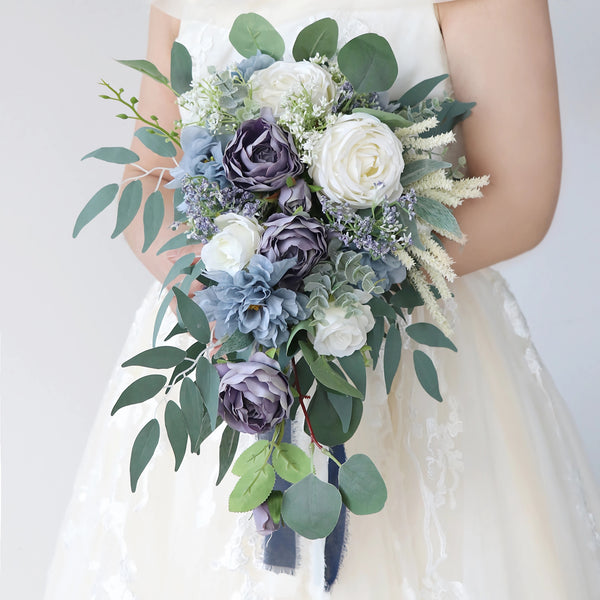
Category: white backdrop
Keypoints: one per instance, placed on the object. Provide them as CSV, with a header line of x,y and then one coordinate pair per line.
x,y
66,305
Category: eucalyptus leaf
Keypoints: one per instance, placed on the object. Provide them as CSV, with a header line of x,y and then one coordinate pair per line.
x,y
179,241
143,450
369,63
207,380
139,391
391,356
392,120
355,368
176,431
380,308
452,112
177,330
375,339
252,458
343,407
154,140
227,450
291,463
192,406
161,357
417,169
320,37
129,204
419,92
437,215
427,374
430,335
236,341
160,315
305,376
181,68
193,317
114,154
252,489
311,507
154,214
147,68
411,226
178,267
99,201
406,297
361,485
251,33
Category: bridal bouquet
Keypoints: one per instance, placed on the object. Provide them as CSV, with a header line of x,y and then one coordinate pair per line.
x,y
319,201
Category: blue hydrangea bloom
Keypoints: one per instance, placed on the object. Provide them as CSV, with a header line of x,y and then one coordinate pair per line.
x,y
254,63
250,302
202,155
388,268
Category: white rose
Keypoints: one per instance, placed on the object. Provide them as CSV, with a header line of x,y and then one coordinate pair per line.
x,y
272,85
236,243
358,159
339,335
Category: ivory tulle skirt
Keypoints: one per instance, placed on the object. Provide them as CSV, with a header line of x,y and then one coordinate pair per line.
x,y
489,494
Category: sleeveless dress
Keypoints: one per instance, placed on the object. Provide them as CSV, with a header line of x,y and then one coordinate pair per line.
x,y
489,494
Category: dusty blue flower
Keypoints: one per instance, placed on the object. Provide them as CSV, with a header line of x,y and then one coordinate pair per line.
x,y
254,63
249,302
254,395
202,155
388,269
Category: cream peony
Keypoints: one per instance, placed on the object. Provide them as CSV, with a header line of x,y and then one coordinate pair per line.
x,y
358,159
272,85
236,243
339,335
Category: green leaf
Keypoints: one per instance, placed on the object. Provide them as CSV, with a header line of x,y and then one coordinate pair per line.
x,y
320,37
305,376
143,450
375,339
354,366
99,201
362,487
129,204
252,458
178,267
291,463
411,226
179,241
177,330
392,120
369,63
391,356
301,326
227,450
181,68
176,431
419,92
207,380
192,406
274,502
430,335
426,374
311,507
160,315
326,422
343,407
325,374
139,391
251,33
193,317
114,154
437,215
252,489
417,169
406,297
162,357
147,68
236,341
155,141
452,113
380,308
154,214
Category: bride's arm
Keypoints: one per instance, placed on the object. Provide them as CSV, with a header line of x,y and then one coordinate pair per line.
x,y
501,55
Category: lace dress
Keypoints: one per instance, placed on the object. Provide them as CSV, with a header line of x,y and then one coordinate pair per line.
x,y
489,495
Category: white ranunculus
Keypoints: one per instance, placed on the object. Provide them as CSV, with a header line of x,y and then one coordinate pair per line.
x,y
236,243
358,159
272,85
339,335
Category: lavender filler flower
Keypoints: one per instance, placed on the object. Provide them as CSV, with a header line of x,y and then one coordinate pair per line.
x,y
254,396
250,302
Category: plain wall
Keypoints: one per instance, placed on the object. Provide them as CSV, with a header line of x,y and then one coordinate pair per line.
x,y
67,305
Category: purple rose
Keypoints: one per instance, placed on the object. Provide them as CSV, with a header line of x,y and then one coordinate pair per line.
x,y
297,196
263,520
261,156
298,237
254,396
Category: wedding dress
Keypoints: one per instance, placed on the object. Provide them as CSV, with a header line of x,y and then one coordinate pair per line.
x,y
489,495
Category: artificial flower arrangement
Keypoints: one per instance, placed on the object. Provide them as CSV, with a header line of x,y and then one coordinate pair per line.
x,y
319,202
